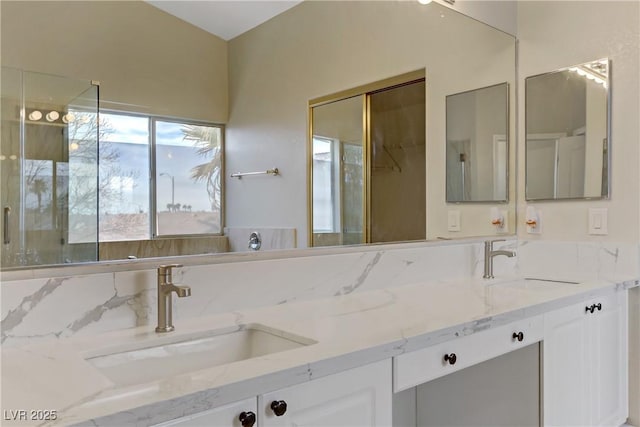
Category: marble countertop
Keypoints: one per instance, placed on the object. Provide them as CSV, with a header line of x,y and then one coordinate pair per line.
x,y
350,331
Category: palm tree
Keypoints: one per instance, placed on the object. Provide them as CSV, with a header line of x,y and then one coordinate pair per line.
x,y
206,140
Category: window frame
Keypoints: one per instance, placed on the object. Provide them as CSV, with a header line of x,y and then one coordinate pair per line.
x,y
151,153
153,182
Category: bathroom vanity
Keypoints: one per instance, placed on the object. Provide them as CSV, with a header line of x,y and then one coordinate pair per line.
x,y
344,360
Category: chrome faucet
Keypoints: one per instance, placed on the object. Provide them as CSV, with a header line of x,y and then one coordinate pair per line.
x,y
489,253
165,288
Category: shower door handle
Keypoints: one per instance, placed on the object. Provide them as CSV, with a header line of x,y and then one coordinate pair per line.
x,y
5,230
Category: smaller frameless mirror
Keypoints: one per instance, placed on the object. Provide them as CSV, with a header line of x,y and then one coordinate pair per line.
x,y
478,145
567,129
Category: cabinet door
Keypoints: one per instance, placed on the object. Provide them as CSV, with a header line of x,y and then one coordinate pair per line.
x,y
608,350
565,368
585,363
357,397
223,416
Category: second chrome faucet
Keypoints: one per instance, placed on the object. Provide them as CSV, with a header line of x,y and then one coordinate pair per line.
x,y
489,254
165,288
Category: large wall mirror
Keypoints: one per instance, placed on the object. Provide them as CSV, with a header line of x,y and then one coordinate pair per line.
x,y
478,145
567,129
257,88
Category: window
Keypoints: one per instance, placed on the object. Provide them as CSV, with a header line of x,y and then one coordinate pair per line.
x,y
124,178
188,182
185,160
326,172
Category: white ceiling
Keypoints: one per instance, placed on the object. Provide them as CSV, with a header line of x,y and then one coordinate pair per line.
x,y
224,18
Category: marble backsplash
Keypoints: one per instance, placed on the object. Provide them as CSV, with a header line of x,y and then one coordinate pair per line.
x,y
58,307
575,261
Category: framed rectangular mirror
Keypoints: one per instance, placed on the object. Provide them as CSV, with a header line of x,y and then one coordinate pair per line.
x,y
478,145
567,130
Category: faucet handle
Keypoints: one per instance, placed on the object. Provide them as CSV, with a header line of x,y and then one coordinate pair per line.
x,y
488,244
165,269
170,265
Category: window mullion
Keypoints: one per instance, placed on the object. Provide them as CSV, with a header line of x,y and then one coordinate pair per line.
x,y
153,205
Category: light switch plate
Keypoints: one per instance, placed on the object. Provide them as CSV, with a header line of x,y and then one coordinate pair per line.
x,y
598,221
453,221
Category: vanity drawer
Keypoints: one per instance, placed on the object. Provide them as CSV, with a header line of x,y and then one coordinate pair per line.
x,y
420,366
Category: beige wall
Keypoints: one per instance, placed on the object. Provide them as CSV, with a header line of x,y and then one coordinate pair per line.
x,y
146,60
559,34
552,37
319,48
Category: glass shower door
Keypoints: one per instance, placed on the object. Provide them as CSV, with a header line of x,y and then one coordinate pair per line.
x,y
398,163
339,173
48,164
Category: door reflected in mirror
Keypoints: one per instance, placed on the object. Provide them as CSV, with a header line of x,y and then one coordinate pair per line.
x,y
368,165
338,174
567,130
477,145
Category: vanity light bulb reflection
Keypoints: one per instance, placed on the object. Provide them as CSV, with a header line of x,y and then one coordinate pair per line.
x,y
589,75
52,116
424,1
35,115
68,118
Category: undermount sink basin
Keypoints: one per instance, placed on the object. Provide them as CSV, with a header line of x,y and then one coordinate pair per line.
x,y
206,350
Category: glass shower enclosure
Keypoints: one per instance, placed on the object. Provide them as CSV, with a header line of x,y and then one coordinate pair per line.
x,y
48,169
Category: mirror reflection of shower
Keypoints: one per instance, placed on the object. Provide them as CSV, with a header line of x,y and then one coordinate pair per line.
x,y
48,166
477,153
567,128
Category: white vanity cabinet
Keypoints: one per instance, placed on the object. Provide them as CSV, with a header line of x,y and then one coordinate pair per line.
x,y
357,397
227,415
584,363
420,366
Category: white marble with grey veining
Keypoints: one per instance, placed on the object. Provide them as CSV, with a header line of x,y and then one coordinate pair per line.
x,y
59,307
53,308
577,260
351,329
52,312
